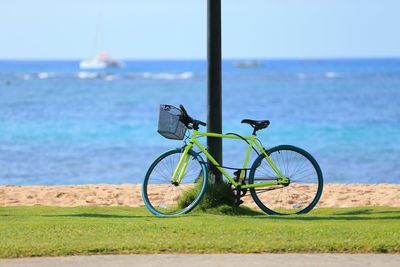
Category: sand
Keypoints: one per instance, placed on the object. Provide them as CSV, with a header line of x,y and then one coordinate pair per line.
x,y
334,195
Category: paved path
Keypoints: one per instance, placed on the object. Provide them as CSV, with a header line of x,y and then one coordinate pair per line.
x,y
210,260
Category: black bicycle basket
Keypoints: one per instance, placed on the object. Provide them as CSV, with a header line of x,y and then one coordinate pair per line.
x,y
169,124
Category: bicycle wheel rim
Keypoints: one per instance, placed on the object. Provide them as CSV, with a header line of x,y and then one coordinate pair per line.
x,y
161,196
304,189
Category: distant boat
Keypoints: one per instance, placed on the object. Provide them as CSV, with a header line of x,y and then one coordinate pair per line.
x,y
247,64
101,61
94,63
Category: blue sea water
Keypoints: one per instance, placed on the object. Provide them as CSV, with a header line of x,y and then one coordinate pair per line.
x,y
63,125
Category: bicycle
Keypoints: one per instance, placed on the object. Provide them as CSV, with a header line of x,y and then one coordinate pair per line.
x,y
290,175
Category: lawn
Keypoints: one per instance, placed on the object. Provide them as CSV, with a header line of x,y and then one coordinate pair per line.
x,y
54,231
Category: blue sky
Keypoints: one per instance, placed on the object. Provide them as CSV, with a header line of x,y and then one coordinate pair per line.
x,y
176,29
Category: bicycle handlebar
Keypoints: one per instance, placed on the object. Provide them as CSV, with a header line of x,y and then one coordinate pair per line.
x,y
186,119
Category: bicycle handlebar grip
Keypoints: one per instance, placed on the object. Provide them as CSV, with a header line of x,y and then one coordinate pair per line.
x,y
202,123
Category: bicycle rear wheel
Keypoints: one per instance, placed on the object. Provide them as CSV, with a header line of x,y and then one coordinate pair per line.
x,y
305,186
163,197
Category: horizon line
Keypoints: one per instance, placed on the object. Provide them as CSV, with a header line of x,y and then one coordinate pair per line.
x,y
205,59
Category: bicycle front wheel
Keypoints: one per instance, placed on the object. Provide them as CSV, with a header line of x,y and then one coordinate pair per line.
x,y
302,192
162,196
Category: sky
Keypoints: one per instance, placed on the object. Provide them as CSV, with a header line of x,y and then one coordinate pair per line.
x,y
176,29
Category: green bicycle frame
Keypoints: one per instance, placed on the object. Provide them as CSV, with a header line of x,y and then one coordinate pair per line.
x,y
184,160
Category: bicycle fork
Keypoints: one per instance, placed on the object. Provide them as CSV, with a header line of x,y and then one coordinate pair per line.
x,y
181,167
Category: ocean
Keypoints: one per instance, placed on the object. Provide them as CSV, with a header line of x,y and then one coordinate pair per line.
x,y
60,125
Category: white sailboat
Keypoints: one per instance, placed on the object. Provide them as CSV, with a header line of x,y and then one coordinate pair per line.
x,y
94,63
100,60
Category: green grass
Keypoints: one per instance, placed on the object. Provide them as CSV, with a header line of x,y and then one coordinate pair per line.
x,y
53,231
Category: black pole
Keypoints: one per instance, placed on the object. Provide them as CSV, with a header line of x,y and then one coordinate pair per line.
x,y
214,84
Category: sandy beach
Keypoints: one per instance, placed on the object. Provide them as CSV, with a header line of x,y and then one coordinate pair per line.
x,y
334,195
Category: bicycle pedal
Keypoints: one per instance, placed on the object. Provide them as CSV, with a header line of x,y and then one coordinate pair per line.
x,y
238,203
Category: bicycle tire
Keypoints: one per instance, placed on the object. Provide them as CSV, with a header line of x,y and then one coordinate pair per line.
x,y
305,187
161,196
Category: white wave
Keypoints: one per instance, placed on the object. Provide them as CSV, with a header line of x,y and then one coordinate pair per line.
x,y
87,75
26,76
44,75
186,75
332,75
110,77
168,76
301,76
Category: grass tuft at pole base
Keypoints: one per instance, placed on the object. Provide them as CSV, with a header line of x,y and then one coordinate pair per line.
x,y
218,199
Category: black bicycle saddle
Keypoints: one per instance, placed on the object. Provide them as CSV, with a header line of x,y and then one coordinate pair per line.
x,y
258,125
